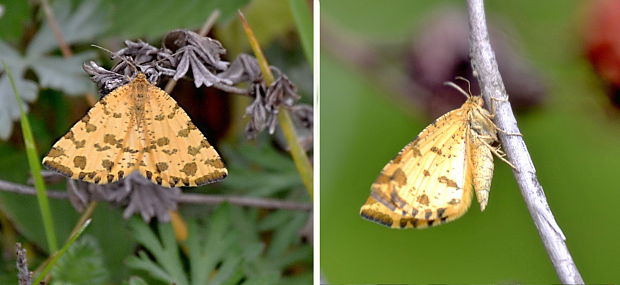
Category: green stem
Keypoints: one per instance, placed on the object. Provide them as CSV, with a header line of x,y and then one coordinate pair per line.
x,y
302,163
35,168
54,258
84,218
299,155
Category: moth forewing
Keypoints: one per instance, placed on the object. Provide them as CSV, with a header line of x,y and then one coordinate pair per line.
x,y
136,127
432,179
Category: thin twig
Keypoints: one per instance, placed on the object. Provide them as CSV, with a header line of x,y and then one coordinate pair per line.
x,y
51,20
65,49
183,198
244,201
206,27
485,68
23,189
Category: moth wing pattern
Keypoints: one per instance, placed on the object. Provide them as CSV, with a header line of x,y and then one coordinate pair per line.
x,y
95,148
430,181
137,127
177,152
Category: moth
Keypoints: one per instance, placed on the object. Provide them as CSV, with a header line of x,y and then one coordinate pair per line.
x,y
431,180
136,127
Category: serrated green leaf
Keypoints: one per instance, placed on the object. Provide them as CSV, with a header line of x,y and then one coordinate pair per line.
x,y
167,266
260,170
287,235
209,246
81,264
9,110
54,72
65,74
82,24
142,262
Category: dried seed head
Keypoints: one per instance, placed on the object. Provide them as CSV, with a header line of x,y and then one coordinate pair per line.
x,y
201,53
259,115
135,193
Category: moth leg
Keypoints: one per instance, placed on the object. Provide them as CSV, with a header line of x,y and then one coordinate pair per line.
x,y
498,152
492,115
508,133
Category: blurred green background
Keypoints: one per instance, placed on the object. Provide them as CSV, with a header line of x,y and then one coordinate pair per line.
x,y
573,138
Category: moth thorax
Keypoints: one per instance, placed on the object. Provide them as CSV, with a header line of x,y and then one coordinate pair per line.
x,y
481,124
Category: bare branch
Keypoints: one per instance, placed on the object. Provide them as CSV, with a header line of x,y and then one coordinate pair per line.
x,y
23,189
244,201
183,198
486,70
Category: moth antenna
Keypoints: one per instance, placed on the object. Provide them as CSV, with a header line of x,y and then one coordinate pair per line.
x,y
451,84
104,49
135,68
468,83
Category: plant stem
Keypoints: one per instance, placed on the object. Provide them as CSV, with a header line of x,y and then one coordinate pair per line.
x,y
493,90
35,168
54,258
187,198
302,163
84,218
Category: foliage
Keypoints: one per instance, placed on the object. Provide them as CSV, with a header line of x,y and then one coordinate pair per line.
x,y
53,71
45,78
86,255
227,250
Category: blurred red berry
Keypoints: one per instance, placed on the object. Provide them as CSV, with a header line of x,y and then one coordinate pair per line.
x,y
602,43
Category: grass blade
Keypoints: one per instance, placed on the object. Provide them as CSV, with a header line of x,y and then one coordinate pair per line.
x,y
60,253
35,168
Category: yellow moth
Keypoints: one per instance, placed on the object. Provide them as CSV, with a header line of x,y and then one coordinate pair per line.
x,y
136,127
431,180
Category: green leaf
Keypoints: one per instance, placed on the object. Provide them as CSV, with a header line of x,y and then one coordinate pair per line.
x,y
9,108
146,18
260,170
82,264
287,234
209,246
64,74
135,280
83,24
229,248
54,258
167,265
